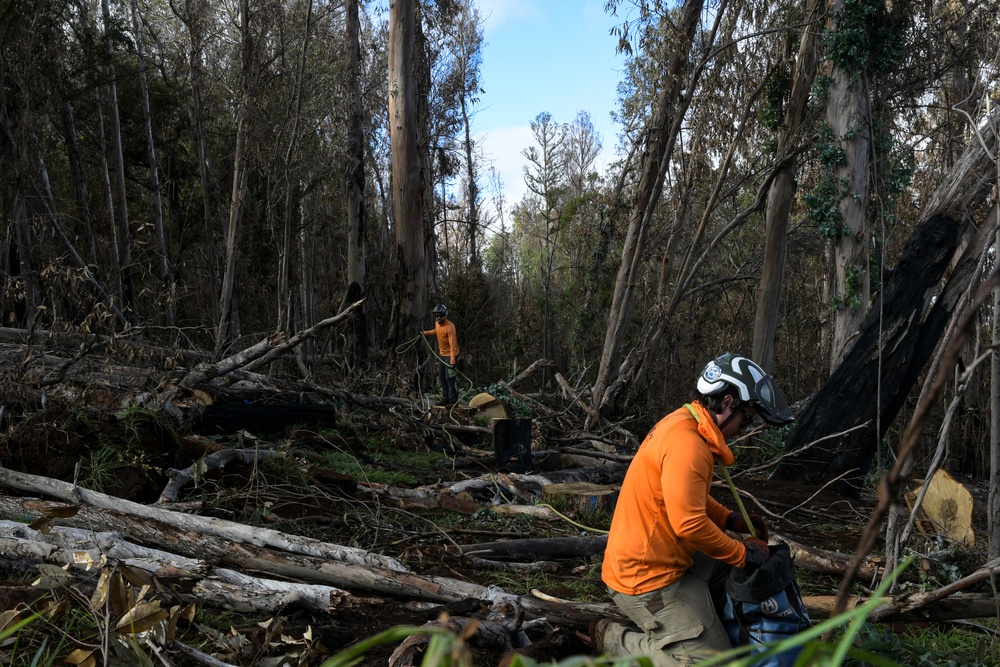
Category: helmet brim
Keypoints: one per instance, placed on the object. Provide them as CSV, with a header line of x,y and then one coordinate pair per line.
x,y
772,406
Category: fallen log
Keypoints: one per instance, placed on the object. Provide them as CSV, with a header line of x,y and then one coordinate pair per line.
x,y
551,548
219,587
828,562
235,590
229,530
220,459
261,353
978,605
535,366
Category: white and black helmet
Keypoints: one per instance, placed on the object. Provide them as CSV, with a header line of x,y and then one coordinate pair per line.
x,y
754,385
440,309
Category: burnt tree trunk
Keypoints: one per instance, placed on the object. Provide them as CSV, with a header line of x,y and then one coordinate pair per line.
x,y
897,336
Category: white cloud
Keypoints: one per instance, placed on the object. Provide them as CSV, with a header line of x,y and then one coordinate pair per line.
x,y
497,12
502,148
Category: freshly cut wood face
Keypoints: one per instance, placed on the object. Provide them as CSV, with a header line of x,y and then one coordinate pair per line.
x,y
946,509
487,405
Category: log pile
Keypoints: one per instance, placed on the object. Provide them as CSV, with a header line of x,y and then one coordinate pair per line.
x,y
63,532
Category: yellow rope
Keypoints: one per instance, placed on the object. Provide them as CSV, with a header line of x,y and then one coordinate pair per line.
x,y
729,481
569,520
739,501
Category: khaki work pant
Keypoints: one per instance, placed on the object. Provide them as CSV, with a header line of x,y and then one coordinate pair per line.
x,y
679,624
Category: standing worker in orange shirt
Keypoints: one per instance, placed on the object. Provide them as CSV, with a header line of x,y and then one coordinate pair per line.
x,y
668,555
447,354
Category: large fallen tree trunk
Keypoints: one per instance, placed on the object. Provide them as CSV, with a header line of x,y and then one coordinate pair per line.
x,y
229,530
219,587
17,541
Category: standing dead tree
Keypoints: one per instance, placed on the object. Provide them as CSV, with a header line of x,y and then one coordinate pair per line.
x,y
901,331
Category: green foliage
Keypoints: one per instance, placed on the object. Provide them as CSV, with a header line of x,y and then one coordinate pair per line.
x,y
772,110
382,463
823,201
863,40
772,442
820,88
828,149
932,646
851,298
100,471
822,206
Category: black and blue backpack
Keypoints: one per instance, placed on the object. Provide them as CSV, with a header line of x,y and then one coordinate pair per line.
x,y
765,606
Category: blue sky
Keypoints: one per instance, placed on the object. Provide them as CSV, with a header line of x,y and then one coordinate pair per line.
x,y
543,55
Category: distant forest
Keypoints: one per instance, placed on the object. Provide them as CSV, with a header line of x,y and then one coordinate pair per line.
x,y
200,174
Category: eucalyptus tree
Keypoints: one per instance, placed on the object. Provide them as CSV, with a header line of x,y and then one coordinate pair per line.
x,y
19,81
227,327
196,16
582,147
781,190
357,260
122,234
658,140
407,185
468,56
943,252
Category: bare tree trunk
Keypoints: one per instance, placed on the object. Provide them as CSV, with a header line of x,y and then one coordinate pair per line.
x,y
357,260
228,328
285,263
848,111
660,137
407,188
471,188
109,197
166,283
782,191
192,21
124,266
993,501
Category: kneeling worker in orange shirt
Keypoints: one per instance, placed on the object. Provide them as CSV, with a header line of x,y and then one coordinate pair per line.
x,y
668,555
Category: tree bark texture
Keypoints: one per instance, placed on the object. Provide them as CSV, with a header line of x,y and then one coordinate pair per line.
x,y
407,187
357,251
848,112
166,295
124,235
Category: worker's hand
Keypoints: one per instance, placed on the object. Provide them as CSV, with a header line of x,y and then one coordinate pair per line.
x,y
737,524
452,372
757,553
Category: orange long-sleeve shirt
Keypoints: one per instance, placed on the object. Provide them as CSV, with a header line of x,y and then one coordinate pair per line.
x,y
664,511
447,339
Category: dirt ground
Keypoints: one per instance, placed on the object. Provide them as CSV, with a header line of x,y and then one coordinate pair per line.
x,y
54,444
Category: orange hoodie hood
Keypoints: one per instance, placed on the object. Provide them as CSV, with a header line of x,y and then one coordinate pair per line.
x,y
709,429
